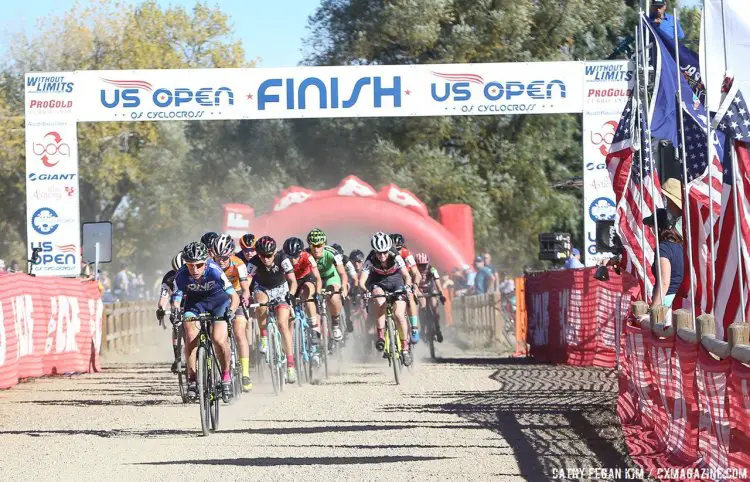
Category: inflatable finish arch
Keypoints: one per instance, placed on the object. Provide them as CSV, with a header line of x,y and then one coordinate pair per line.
x,y
351,212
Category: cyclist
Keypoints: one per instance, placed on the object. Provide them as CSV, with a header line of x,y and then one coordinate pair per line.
x,y
430,283
167,288
208,240
236,271
247,247
206,289
384,272
351,273
357,259
273,274
411,305
309,283
332,273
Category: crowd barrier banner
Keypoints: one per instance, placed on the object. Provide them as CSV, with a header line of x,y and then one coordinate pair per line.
x,y
48,326
576,319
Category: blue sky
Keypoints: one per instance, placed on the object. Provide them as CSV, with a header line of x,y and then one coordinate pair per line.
x,y
273,31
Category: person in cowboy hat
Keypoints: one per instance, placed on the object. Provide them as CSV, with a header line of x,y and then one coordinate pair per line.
x,y
670,270
671,191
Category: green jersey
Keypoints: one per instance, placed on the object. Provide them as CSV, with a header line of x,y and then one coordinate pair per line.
x,y
327,265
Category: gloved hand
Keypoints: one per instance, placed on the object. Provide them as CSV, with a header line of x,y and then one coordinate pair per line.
x,y
160,314
442,298
174,317
289,298
229,315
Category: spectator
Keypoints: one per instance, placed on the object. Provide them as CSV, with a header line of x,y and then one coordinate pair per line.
x,y
493,269
469,276
483,277
2,267
14,267
671,264
574,260
664,21
122,282
459,281
508,286
106,281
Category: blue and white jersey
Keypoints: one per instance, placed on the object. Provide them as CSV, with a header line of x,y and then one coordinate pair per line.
x,y
213,282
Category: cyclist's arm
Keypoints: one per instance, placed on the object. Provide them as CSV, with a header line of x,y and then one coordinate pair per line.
x,y
364,275
292,281
351,270
318,281
406,275
338,262
244,282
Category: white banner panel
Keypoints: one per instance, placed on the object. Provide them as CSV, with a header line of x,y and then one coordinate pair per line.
x,y
607,86
52,209
310,92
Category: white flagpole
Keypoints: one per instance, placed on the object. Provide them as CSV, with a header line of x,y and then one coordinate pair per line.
x,y
735,185
654,194
685,191
709,156
637,114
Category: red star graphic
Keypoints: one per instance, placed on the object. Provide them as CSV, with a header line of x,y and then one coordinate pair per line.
x,y
249,96
407,92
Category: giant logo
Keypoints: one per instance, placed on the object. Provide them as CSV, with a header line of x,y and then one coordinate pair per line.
x,y
508,95
139,93
329,94
53,177
45,221
54,257
51,151
602,209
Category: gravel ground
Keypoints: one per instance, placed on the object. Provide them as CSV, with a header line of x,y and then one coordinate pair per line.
x,y
467,417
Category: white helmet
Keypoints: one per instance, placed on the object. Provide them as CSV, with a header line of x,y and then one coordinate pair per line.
x,y
223,245
177,261
381,242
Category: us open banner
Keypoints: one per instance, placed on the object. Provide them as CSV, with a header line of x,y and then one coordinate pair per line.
x,y
607,86
368,91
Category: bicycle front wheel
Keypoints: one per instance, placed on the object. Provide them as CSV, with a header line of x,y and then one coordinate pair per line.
x,y
236,369
182,368
394,352
298,353
273,357
204,389
215,391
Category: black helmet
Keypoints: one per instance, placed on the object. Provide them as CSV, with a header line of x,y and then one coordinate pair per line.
x,y
357,256
398,240
265,246
208,238
338,248
293,247
194,252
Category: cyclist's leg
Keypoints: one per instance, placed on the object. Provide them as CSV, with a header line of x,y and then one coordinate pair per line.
x,y
334,305
220,336
378,308
261,314
192,330
284,323
399,313
306,291
243,346
175,335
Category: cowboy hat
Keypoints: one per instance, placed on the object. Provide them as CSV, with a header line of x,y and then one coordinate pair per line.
x,y
672,189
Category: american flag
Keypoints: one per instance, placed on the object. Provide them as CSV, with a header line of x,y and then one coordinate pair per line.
x,y
629,175
701,199
734,121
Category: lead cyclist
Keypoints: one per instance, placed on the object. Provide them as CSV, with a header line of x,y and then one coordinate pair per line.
x,y
333,274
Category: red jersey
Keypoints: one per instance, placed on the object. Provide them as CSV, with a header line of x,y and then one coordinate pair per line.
x,y
304,265
408,258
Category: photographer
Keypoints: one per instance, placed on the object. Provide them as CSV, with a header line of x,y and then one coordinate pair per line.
x,y
664,21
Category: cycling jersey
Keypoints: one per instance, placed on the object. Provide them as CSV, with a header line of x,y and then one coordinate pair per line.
x,y
167,283
304,265
241,255
405,255
429,276
236,272
327,266
273,276
213,284
393,264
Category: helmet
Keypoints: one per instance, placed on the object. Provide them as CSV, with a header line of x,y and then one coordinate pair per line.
x,y
177,261
266,245
381,242
338,248
357,255
293,247
247,241
194,252
316,237
223,245
208,238
398,240
422,258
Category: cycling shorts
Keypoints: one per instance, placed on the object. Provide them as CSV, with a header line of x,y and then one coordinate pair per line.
x,y
308,278
388,283
335,279
216,305
277,293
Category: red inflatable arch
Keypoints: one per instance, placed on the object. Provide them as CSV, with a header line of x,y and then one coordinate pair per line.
x,y
349,214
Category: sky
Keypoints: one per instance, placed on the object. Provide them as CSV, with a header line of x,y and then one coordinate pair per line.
x,y
271,30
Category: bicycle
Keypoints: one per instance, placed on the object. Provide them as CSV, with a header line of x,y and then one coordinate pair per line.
x,y
235,367
178,334
304,349
362,334
429,328
208,376
392,350
328,342
254,340
275,357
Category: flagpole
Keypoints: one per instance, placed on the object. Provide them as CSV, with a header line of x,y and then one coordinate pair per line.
x,y
735,184
638,48
709,157
685,191
649,152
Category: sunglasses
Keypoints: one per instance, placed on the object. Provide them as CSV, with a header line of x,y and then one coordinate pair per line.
x,y
223,258
266,256
196,265
317,245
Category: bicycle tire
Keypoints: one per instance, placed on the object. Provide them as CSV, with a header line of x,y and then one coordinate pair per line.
x,y
393,352
236,369
324,334
215,391
203,379
431,334
308,360
182,371
281,359
298,355
272,357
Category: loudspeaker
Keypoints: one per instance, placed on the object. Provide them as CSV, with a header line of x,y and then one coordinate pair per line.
x,y
554,246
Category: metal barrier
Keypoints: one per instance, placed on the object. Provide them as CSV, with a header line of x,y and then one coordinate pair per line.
x,y
125,323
